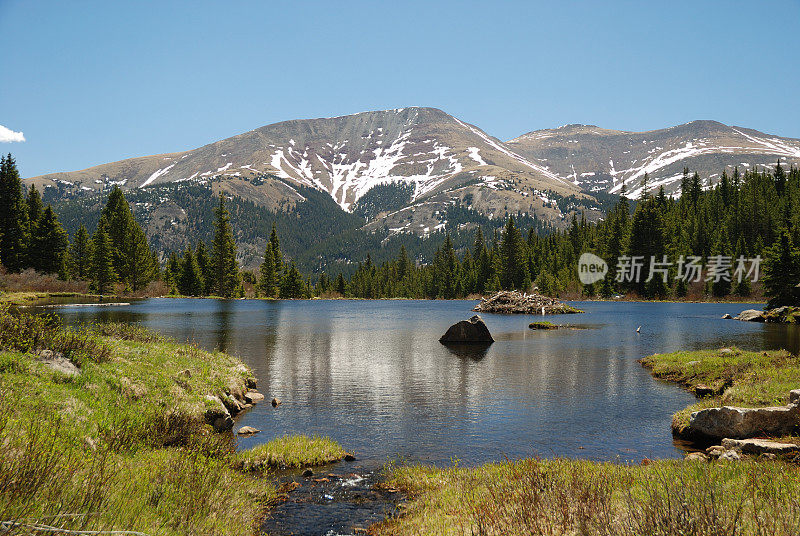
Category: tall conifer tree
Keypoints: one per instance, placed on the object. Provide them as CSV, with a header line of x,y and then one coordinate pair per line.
x,y
13,217
223,256
101,267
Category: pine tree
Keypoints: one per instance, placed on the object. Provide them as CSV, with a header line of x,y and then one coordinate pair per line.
x,y
101,266
782,272
741,287
647,241
14,226
483,265
266,280
49,245
277,255
34,204
341,285
223,253
513,262
80,254
206,270
446,270
292,284
722,248
133,260
190,281
172,272
403,264
323,284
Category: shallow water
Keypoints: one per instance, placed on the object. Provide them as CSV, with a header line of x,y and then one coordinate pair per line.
x,y
373,376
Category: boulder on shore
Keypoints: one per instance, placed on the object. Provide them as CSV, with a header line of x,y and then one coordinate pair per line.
x,y
514,302
751,315
760,446
782,315
472,331
742,423
217,414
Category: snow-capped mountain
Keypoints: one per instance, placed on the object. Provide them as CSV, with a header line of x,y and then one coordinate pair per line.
x,y
439,158
598,159
434,161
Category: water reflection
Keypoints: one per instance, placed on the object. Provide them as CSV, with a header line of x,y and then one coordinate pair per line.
x,y
374,376
476,351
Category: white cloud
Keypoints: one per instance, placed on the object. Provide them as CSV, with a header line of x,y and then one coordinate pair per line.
x,y
7,135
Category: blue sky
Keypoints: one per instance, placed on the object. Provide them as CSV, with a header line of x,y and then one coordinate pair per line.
x,y
94,82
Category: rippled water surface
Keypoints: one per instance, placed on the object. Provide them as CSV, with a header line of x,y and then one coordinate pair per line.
x,y
372,374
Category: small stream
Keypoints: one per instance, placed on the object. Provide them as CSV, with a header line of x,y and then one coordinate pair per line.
x,y
337,500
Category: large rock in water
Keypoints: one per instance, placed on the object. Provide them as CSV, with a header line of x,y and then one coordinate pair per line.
x,y
472,331
751,315
742,423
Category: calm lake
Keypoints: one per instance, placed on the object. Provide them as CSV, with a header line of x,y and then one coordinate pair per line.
x,y
373,376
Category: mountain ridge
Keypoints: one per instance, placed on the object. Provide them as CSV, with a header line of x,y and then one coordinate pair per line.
x,y
598,159
441,160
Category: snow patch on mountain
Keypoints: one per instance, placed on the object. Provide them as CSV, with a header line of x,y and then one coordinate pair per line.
x,y
156,174
475,154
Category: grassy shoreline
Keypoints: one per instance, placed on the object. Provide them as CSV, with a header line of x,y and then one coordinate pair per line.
x,y
104,428
734,377
583,497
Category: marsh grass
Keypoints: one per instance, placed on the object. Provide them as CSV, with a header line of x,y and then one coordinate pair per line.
x,y
122,445
547,497
290,452
741,378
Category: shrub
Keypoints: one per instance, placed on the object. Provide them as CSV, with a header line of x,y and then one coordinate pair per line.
x,y
23,332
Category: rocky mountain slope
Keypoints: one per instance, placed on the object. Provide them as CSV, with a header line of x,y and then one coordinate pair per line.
x,y
598,159
432,158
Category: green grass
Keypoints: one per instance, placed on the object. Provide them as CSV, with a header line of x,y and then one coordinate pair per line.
x,y
740,378
21,298
581,497
290,452
124,445
542,325
26,297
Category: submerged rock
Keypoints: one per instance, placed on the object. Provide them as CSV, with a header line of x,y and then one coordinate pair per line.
x,y
543,325
472,331
514,302
253,397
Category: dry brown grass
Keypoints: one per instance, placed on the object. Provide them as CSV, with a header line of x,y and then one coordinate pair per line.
x,y
32,281
572,497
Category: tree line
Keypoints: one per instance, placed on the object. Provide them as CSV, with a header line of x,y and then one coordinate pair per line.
x,y
744,215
